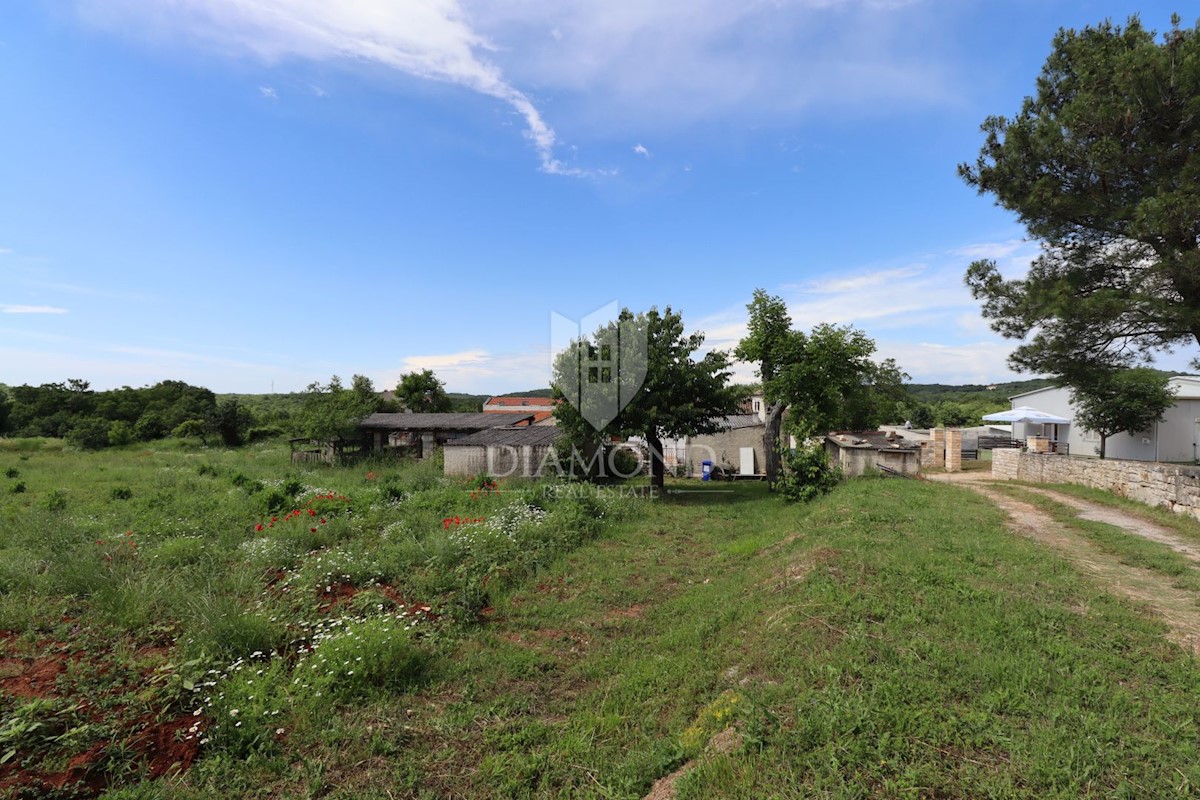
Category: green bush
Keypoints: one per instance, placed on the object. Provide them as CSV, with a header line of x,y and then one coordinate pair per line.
x,y
120,433
90,433
807,474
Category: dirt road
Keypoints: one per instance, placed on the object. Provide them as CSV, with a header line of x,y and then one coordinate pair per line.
x,y
1179,608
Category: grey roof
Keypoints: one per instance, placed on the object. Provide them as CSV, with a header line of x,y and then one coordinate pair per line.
x,y
526,436
871,440
476,421
737,421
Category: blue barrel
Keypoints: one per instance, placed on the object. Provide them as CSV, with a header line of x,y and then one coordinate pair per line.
x,y
706,470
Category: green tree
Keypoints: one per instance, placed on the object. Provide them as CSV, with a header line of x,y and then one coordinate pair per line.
x,y
769,340
5,409
331,413
1126,401
1102,167
422,391
826,379
89,433
680,394
230,420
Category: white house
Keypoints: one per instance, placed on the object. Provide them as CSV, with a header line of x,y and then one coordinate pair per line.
x,y
1176,438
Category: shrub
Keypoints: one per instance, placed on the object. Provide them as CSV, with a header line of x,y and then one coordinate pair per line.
x,y
121,493
18,487
150,426
119,433
12,472
56,500
807,474
90,433
263,432
276,501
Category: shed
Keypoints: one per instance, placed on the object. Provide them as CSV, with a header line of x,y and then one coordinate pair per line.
x,y
422,433
504,452
859,452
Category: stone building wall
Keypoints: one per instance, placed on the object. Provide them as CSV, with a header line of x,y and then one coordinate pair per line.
x,y
724,449
1171,486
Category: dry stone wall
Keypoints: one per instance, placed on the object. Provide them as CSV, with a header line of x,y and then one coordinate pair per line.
x,y
1171,486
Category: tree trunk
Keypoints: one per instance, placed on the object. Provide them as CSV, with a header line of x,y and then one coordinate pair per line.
x,y
771,442
657,471
1103,441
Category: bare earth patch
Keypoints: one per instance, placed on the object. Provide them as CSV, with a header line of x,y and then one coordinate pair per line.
x,y
1176,607
725,742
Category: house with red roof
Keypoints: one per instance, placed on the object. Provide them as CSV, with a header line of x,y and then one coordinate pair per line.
x,y
542,408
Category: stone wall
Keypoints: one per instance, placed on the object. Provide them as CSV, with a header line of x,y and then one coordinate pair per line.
x,y
1171,486
724,450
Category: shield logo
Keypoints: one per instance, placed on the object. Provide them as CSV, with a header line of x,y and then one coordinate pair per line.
x,y
599,362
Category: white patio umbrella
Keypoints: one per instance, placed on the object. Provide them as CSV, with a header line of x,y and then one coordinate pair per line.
x,y
1025,414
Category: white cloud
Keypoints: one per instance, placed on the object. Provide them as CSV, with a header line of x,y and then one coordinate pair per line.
x,y
673,62
432,40
919,313
641,150
21,309
268,92
480,371
4,251
992,250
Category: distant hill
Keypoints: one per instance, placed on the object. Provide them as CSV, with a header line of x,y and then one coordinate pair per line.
x,y
547,392
934,393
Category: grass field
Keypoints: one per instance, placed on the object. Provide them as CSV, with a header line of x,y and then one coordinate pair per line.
x,y
892,639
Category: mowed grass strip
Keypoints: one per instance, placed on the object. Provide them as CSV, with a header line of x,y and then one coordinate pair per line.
x,y
891,640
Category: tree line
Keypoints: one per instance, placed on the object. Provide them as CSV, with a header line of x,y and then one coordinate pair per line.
x,y
92,419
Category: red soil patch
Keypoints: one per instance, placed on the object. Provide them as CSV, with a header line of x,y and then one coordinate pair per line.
x,y
162,746
633,612
337,594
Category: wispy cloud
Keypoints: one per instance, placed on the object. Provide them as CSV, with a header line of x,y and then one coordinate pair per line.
x,y
268,92
641,150
480,370
919,313
5,251
22,309
990,249
672,62
431,40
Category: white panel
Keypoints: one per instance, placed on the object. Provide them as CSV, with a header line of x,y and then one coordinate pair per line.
x,y
747,459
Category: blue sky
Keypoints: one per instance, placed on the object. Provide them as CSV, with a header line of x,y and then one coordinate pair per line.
x,y
255,195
